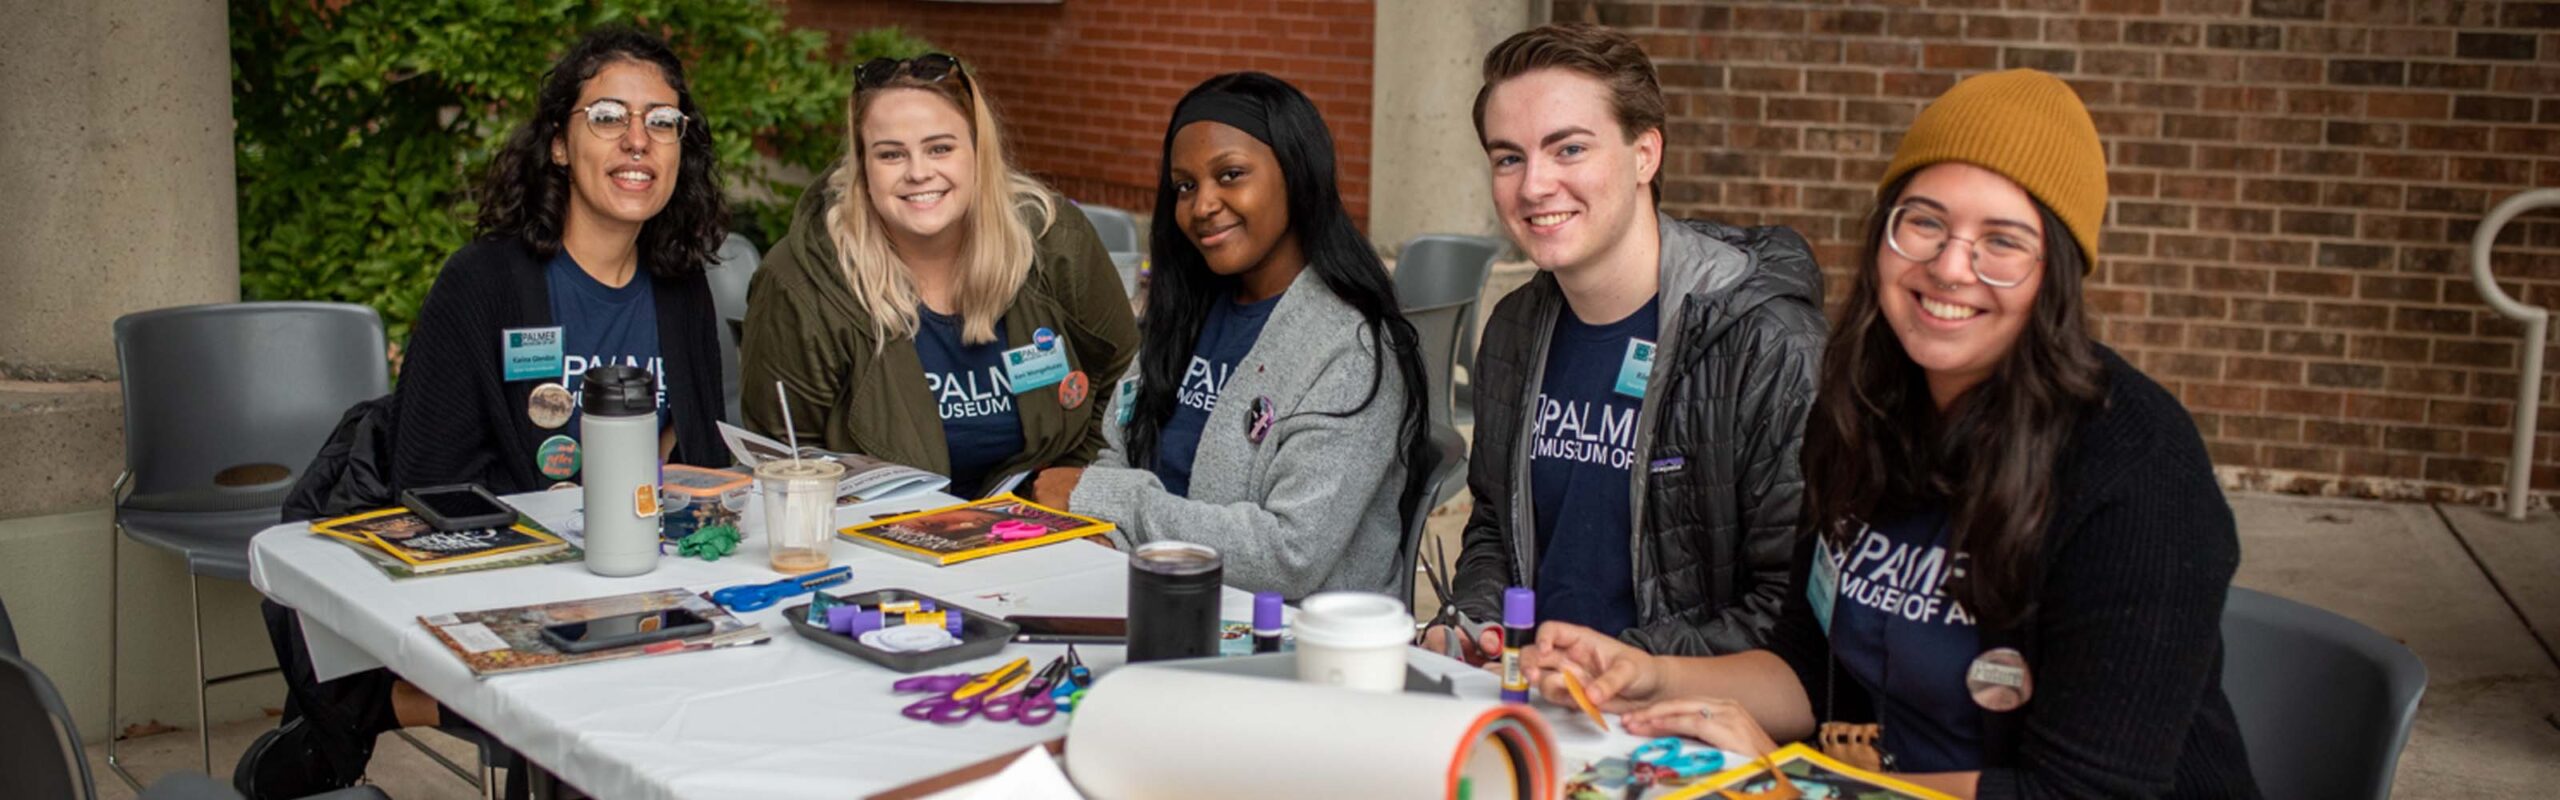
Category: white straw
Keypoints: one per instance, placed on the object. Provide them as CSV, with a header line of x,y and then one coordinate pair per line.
x,y
783,397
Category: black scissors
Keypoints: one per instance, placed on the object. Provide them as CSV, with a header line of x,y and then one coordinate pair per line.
x,y
1457,643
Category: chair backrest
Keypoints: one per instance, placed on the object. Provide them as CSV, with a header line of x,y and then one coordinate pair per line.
x,y
1118,229
1437,329
8,633
730,275
2324,703
39,747
1448,457
1442,268
224,404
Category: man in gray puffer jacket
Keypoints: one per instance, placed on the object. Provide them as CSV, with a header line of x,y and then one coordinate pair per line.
x,y
1640,402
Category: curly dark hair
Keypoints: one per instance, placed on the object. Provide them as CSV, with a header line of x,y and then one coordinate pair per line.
x,y
525,195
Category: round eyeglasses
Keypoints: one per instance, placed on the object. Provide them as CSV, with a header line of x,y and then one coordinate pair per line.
x,y
2000,258
610,119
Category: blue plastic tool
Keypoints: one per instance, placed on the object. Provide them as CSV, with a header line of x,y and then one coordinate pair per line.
x,y
759,596
1665,753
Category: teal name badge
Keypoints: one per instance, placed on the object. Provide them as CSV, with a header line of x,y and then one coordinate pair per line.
x,y
1124,401
1032,366
1822,584
1637,369
530,353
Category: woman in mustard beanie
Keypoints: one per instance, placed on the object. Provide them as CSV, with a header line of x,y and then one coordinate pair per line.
x,y
2017,553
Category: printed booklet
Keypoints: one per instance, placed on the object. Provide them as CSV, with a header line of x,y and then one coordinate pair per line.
x,y
503,640
403,542
865,478
975,529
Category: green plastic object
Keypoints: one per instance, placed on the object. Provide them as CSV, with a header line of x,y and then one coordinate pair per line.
x,y
709,543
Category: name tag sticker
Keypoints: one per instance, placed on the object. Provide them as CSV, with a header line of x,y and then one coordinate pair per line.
x,y
530,353
1124,400
1033,366
1822,584
1637,369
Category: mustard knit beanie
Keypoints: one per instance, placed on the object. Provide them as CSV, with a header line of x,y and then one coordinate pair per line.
x,y
2029,127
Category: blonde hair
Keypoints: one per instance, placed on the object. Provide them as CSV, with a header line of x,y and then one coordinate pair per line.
x,y
995,258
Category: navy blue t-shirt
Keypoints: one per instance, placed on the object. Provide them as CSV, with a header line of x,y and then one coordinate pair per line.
x,y
1902,638
603,326
1224,340
1578,462
979,422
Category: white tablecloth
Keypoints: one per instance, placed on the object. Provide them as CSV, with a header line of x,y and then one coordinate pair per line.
x,y
781,720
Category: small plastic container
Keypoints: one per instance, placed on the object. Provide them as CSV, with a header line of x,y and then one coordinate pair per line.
x,y
980,635
693,498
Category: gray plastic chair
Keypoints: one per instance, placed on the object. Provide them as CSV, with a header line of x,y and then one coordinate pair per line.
x,y
2324,703
223,407
1440,268
1448,460
41,756
1438,328
1119,232
730,276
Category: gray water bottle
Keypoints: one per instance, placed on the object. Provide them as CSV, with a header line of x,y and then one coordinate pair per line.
x,y
619,423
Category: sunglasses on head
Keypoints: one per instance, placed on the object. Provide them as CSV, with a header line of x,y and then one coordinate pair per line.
x,y
929,68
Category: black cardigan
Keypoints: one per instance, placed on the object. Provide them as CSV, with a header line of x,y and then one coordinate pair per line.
x,y
459,423
2124,645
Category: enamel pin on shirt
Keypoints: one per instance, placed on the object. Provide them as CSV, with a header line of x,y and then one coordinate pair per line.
x,y
1257,423
1072,390
558,458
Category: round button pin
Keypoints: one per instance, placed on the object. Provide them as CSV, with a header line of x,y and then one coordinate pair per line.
x,y
1999,680
1073,389
558,458
549,406
1044,339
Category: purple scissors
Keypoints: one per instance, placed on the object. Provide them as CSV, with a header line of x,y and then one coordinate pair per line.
x,y
1032,705
939,706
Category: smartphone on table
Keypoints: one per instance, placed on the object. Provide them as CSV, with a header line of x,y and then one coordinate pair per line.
x,y
624,630
459,507
1039,629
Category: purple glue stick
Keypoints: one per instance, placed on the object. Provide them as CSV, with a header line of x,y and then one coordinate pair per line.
x,y
1519,629
1266,622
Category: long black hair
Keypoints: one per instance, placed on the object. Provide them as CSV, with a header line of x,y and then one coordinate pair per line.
x,y
526,197
1877,443
1183,289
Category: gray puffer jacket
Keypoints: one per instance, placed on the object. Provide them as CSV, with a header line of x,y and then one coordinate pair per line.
x,y
1717,486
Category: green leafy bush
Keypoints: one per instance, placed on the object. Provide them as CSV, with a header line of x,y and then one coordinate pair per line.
x,y
361,127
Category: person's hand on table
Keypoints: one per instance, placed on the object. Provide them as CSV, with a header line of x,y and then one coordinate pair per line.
x,y
1717,721
1486,652
1615,675
1052,486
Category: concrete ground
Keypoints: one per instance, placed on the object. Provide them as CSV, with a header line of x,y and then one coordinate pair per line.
x,y
2489,726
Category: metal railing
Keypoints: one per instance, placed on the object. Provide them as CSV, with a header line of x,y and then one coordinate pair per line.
x,y
2537,325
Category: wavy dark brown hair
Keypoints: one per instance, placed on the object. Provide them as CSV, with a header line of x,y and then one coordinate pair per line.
x,y
1877,445
526,197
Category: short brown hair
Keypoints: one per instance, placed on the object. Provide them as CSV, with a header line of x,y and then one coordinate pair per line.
x,y
1600,53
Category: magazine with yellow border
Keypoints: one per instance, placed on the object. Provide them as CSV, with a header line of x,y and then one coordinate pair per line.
x,y
406,536
1811,773
957,533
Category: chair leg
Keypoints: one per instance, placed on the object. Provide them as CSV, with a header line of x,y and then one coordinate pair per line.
x,y
204,731
115,649
447,763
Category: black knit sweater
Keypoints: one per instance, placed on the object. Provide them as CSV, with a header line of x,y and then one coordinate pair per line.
x,y
2124,643
460,423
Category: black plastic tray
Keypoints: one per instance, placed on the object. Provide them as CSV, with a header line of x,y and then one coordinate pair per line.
x,y
980,635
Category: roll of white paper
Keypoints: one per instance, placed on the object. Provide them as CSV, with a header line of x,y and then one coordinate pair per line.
x,y
1148,732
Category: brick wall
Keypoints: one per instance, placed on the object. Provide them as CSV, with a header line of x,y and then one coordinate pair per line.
x,y
1086,86
2295,183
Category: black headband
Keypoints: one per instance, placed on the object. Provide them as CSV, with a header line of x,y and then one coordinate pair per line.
x,y
1234,110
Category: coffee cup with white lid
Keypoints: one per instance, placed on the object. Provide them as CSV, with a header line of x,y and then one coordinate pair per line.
x,y
1356,640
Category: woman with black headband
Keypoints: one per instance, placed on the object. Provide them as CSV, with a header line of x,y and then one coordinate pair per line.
x,y
1278,399
913,275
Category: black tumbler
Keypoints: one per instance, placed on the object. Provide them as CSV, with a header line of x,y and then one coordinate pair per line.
x,y
1173,601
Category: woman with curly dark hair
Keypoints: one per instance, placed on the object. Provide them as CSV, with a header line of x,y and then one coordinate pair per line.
x,y
596,222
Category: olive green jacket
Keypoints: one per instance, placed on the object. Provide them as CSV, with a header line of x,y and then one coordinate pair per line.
x,y
851,393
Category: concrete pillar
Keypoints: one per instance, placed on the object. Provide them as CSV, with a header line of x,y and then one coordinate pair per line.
x,y
1427,171
116,195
